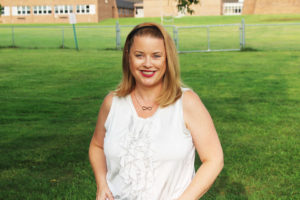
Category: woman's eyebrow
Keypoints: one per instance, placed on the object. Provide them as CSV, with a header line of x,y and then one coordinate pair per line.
x,y
138,51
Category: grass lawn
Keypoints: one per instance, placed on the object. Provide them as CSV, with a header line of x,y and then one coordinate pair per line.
x,y
50,99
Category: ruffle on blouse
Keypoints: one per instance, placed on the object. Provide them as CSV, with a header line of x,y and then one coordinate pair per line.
x,y
136,160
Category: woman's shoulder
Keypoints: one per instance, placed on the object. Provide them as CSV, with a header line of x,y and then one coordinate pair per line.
x,y
189,97
191,102
107,102
194,111
111,100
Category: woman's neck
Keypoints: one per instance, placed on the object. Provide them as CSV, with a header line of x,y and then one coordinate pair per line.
x,y
148,94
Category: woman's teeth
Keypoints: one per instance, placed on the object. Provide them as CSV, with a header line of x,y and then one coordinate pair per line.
x,y
148,72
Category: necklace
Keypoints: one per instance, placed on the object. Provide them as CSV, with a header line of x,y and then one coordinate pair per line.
x,y
143,107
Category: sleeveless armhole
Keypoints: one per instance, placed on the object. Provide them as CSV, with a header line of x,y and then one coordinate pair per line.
x,y
108,121
185,129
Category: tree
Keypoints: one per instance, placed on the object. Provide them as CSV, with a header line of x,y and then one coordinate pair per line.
x,y
1,8
185,4
181,4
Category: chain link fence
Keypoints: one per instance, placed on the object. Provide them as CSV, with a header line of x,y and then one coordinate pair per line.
x,y
273,37
208,38
204,38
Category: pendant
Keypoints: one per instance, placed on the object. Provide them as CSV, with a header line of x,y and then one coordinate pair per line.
x,y
147,107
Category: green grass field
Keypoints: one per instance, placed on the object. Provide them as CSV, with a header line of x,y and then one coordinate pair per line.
x,y
50,99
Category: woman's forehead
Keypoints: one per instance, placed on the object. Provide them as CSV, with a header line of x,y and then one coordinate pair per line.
x,y
148,42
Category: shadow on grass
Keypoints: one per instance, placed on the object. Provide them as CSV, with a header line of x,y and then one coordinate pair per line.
x,y
226,189
65,47
9,47
33,47
46,164
113,49
230,189
223,187
249,49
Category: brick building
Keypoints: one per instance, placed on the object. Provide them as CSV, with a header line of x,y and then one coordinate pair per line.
x,y
156,8
56,11
271,7
125,8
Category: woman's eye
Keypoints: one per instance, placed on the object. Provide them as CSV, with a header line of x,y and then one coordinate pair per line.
x,y
157,56
138,55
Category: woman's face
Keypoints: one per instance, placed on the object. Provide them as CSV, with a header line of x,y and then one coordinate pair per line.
x,y
147,60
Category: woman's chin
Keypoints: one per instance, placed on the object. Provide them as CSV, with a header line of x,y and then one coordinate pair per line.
x,y
149,83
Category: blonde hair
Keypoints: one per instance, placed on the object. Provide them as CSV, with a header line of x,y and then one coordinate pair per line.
x,y
171,89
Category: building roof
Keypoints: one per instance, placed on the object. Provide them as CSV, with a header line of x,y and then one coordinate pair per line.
x,y
125,4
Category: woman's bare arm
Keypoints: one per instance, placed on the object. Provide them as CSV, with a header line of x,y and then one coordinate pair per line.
x,y
96,152
207,144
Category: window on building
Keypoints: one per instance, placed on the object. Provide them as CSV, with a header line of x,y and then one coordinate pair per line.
x,y
233,8
23,10
5,11
63,9
42,10
85,9
49,9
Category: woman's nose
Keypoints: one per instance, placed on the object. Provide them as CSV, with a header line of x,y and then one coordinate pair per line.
x,y
147,62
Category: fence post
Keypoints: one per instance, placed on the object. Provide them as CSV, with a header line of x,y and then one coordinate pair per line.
x,y
241,36
208,39
175,36
118,36
75,37
63,37
13,36
243,33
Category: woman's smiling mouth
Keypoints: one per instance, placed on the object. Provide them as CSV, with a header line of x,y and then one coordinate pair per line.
x,y
147,73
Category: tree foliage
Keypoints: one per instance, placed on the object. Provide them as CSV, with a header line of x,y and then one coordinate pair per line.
x,y
1,8
182,5
185,4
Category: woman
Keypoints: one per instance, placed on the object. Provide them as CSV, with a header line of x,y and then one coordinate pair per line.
x,y
144,142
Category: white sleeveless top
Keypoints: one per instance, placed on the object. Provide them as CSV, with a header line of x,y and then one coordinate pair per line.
x,y
147,159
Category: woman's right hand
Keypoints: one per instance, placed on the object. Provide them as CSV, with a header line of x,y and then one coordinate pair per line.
x,y
104,194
